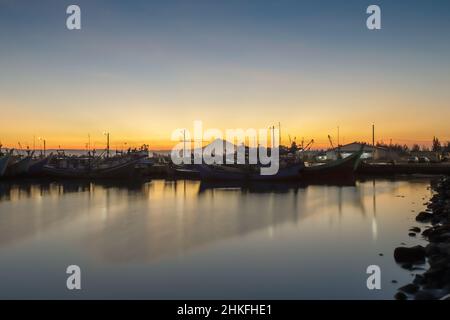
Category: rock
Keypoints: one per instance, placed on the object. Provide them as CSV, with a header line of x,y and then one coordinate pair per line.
x,y
435,219
427,232
407,266
424,216
415,229
431,249
409,255
445,236
438,234
400,296
446,297
444,248
409,288
424,295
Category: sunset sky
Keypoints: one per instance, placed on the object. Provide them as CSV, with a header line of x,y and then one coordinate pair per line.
x,y
140,69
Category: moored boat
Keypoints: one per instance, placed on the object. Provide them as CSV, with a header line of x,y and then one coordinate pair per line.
x,y
19,166
124,167
4,161
247,172
337,169
221,173
285,172
37,165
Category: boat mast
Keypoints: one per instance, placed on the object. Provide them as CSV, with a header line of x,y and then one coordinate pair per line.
x,y
107,143
373,141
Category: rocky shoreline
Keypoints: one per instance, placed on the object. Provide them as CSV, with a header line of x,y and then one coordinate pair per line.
x,y
434,283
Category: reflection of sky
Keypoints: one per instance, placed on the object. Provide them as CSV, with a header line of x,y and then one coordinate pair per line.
x,y
168,240
144,68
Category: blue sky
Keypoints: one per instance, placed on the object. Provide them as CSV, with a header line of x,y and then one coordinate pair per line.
x,y
143,68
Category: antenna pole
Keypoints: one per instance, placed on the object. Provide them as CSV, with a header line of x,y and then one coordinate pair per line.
x,y
373,135
338,136
107,144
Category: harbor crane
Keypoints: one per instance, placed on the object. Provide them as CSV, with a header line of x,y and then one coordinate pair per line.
x,y
338,153
308,146
331,141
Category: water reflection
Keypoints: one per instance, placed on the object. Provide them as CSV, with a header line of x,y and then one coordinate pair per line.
x,y
144,221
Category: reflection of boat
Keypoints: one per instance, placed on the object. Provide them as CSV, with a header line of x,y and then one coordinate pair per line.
x,y
19,166
338,169
251,186
252,173
121,168
273,186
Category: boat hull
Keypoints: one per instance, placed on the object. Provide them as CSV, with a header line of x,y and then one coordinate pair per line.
x,y
120,171
219,173
37,166
4,160
290,172
19,167
338,169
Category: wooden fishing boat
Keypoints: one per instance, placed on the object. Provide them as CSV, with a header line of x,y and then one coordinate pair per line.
x,y
285,172
19,167
337,169
221,173
117,169
4,161
247,172
37,165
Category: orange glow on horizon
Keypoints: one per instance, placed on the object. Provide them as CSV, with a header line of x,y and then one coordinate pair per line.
x,y
166,144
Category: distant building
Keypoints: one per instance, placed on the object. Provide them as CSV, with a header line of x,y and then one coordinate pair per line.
x,y
431,155
370,152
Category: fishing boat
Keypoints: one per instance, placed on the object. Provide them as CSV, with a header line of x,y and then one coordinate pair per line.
x,y
19,166
220,173
4,161
285,172
337,169
86,168
37,165
247,172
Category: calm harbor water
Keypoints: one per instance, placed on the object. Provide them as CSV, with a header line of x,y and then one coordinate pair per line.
x,y
187,240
